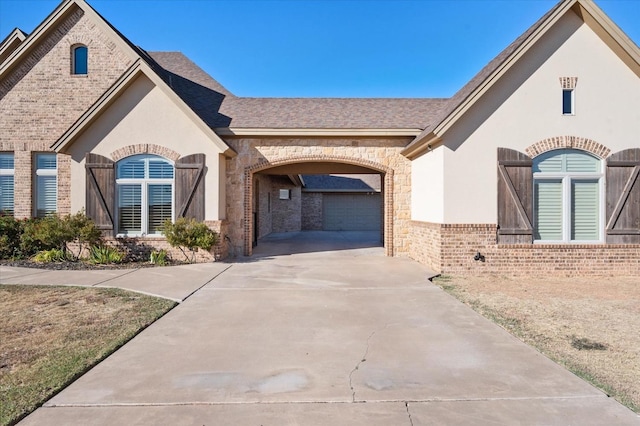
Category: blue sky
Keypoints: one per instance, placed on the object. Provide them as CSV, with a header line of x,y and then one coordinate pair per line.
x,y
326,48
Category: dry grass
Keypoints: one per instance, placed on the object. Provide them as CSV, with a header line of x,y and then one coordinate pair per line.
x,y
51,335
589,325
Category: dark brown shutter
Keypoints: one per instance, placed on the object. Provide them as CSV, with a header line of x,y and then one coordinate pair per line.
x,y
101,190
623,197
515,197
190,186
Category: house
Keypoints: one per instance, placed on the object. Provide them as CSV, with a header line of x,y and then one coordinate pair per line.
x,y
532,167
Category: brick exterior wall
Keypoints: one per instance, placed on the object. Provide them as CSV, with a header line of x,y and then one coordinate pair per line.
x,y
380,154
40,99
312,211
450,249
286,213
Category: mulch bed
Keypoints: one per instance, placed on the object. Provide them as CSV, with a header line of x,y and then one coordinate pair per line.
x,y
80,265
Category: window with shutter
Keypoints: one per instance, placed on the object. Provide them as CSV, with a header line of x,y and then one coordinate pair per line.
x,y
515,197
144,186
190,186
623,197
567,197
46,184
7,172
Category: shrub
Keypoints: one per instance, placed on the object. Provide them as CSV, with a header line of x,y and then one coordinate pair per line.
x,y
189,234
52,255
158,257
57,232
105,255
10,230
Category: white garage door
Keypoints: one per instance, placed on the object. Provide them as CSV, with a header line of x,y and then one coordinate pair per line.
x,y
351,212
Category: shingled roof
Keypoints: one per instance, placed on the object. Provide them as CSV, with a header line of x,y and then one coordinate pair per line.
x,y
220,108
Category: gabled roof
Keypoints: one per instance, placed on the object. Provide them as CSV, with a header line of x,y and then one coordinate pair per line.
x,y
591,14
142,63
139,68
11,43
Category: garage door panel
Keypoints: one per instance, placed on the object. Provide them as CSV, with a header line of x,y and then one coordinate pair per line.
x,y
351,212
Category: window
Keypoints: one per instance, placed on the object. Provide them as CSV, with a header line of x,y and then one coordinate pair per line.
x,y
568,102
144,194
7,172
46,180
567,191
80,60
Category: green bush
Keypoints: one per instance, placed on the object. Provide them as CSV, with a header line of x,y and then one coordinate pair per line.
x,y
57,232
105,255
158,257
189,234
51,255
10,230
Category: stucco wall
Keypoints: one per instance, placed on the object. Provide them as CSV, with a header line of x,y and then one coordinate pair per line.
x,y
144,114
427,186
524,107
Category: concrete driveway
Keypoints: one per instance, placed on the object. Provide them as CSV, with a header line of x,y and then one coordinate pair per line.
x,y
344,337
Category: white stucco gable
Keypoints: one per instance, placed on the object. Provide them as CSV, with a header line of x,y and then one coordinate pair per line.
x,y
524,106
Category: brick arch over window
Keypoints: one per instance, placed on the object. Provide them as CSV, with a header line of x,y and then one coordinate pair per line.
x,y
571,142
388,191
144,148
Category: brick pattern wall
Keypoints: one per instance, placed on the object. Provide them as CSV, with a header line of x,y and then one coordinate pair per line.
x,y
565,142
459,244
380,154
40,99
144,148
286,213
312,211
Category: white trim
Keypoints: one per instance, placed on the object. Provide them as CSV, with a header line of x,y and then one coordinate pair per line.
x,y
567,178
144,194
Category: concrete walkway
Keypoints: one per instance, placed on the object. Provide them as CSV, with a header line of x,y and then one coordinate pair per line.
x,y
346,337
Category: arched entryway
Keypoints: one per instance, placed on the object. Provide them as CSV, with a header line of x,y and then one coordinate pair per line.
x,y
293,167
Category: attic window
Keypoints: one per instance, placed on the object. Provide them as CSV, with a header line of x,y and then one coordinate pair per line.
x,y
79,60
568,102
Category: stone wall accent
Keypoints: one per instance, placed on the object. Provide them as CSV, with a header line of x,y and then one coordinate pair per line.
x,y
459,244
571,142
311,211
144,148
40,99
379,154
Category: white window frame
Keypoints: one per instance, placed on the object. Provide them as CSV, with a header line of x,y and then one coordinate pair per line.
x,y
12,173
567,178
144,192
43,172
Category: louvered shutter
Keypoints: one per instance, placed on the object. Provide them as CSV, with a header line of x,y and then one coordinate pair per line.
x,y
515,197
101,190
623,197
190,186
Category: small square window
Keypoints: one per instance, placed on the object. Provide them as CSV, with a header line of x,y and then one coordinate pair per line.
x,y
285,194
568,102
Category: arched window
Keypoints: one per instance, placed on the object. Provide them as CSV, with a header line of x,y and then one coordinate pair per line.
x,y
80,60
144,194
567,192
